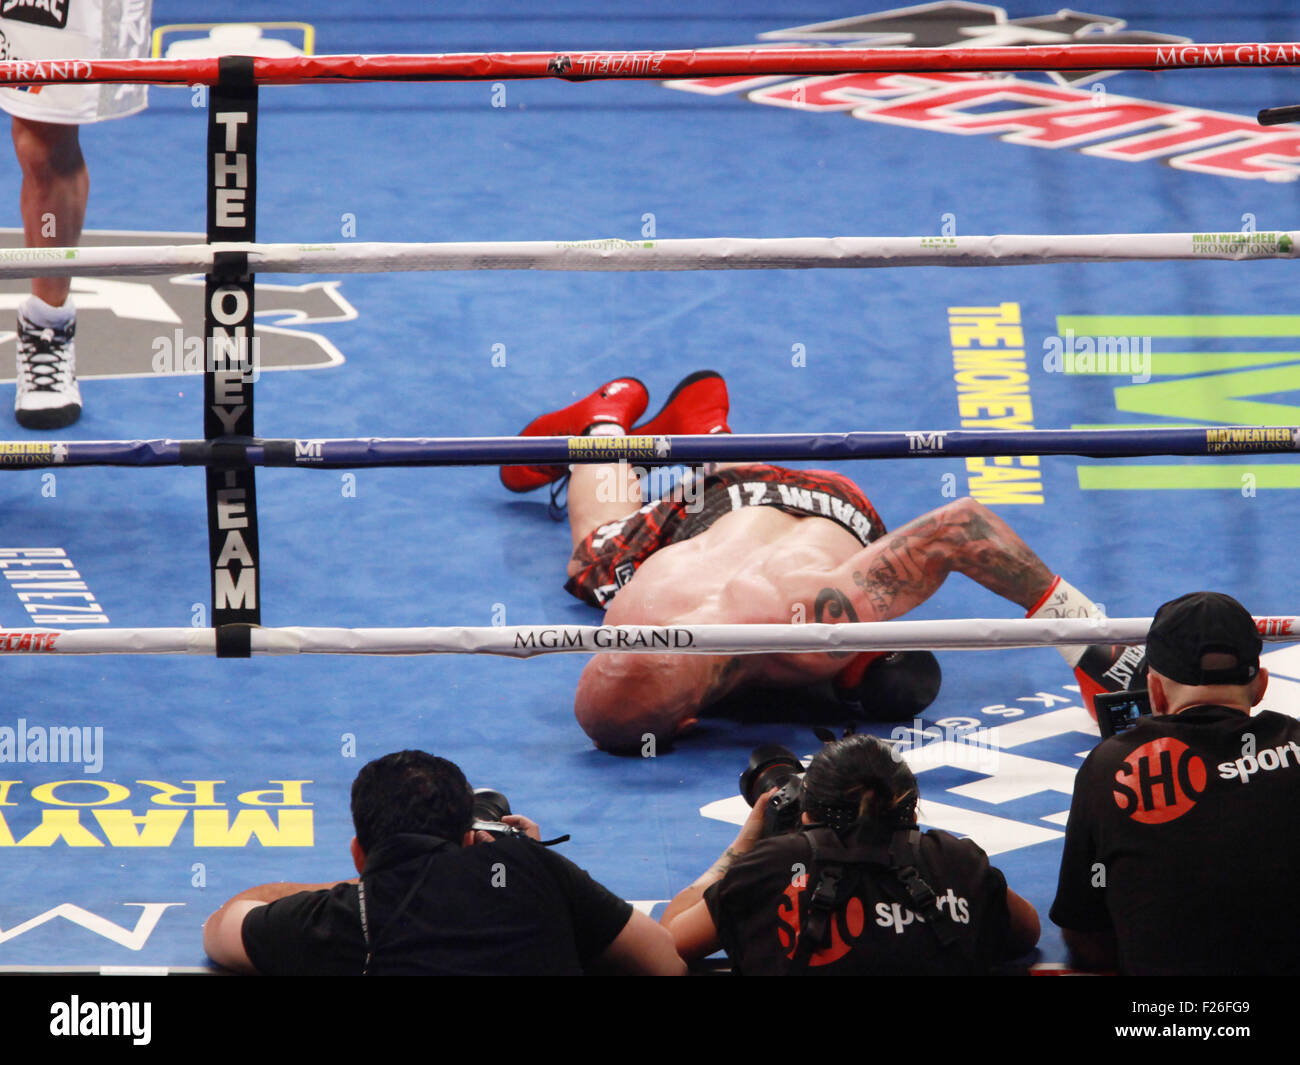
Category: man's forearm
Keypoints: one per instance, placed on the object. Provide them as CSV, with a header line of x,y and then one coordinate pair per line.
x,y
223,932
750,833
689,896
283,889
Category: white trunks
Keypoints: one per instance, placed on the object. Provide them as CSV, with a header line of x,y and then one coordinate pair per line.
x,y
74,29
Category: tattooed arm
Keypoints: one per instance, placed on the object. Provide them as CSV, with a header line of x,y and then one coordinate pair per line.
x,y
831,605
904,568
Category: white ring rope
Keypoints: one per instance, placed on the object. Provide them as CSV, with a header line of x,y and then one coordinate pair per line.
x,y
526,641
710,253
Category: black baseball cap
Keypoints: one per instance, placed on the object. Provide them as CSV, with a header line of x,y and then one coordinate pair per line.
x,y
1186,629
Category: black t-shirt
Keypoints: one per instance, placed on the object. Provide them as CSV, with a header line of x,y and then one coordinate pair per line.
x,y
758,908
511,907
1182,838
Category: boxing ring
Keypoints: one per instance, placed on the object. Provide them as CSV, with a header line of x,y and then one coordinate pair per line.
x,y
230,451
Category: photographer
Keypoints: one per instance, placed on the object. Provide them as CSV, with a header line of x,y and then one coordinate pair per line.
x,y
1180,853
437,896
851,887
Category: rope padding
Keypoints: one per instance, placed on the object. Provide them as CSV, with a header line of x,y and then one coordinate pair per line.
x,y
528,641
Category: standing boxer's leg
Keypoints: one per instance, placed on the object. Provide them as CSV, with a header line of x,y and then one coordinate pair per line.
x,y
55,187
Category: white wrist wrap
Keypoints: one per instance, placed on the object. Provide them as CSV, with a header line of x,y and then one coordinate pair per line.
x,y
1064,600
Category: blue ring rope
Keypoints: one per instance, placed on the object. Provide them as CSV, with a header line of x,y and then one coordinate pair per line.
x,y
647,450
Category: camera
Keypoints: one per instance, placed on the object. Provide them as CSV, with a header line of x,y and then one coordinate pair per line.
x,y
772,766
490,807
1120,711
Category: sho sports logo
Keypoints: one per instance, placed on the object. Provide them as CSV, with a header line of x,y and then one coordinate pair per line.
x,y
49,13
845,925
848,925
1283,756
1055,111
1160,781
153,326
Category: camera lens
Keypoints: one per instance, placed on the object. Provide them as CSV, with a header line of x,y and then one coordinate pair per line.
x,y
770,766
490,805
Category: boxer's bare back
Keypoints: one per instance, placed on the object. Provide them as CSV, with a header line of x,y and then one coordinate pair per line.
x,y
762,565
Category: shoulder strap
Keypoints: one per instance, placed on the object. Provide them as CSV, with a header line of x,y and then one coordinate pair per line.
x,y
905,858
372,941
822,901
901,857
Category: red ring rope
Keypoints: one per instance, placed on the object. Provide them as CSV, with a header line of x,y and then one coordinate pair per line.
x,y
658,65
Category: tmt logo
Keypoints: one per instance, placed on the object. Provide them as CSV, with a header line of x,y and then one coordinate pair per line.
x,y
918,441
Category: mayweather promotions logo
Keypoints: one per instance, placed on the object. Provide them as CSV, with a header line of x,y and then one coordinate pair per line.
x,y
153,326
1160,781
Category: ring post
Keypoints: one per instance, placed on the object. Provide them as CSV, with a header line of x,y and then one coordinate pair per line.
x,y
230,366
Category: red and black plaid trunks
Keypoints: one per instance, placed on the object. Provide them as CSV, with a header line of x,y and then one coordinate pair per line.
x,y
610,554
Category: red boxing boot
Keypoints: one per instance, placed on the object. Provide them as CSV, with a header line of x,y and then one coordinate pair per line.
x,y
621,401
698,406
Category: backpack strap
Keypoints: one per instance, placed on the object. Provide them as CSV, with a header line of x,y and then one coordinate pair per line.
x,y
829,857
822,903
900,858
905,859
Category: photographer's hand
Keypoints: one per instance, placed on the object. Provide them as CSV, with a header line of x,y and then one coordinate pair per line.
x,y
516,821
527,827
750,833
687,916
752,830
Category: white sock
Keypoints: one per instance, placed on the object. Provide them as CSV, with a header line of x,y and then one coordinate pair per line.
x,y
1064,600
42,314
